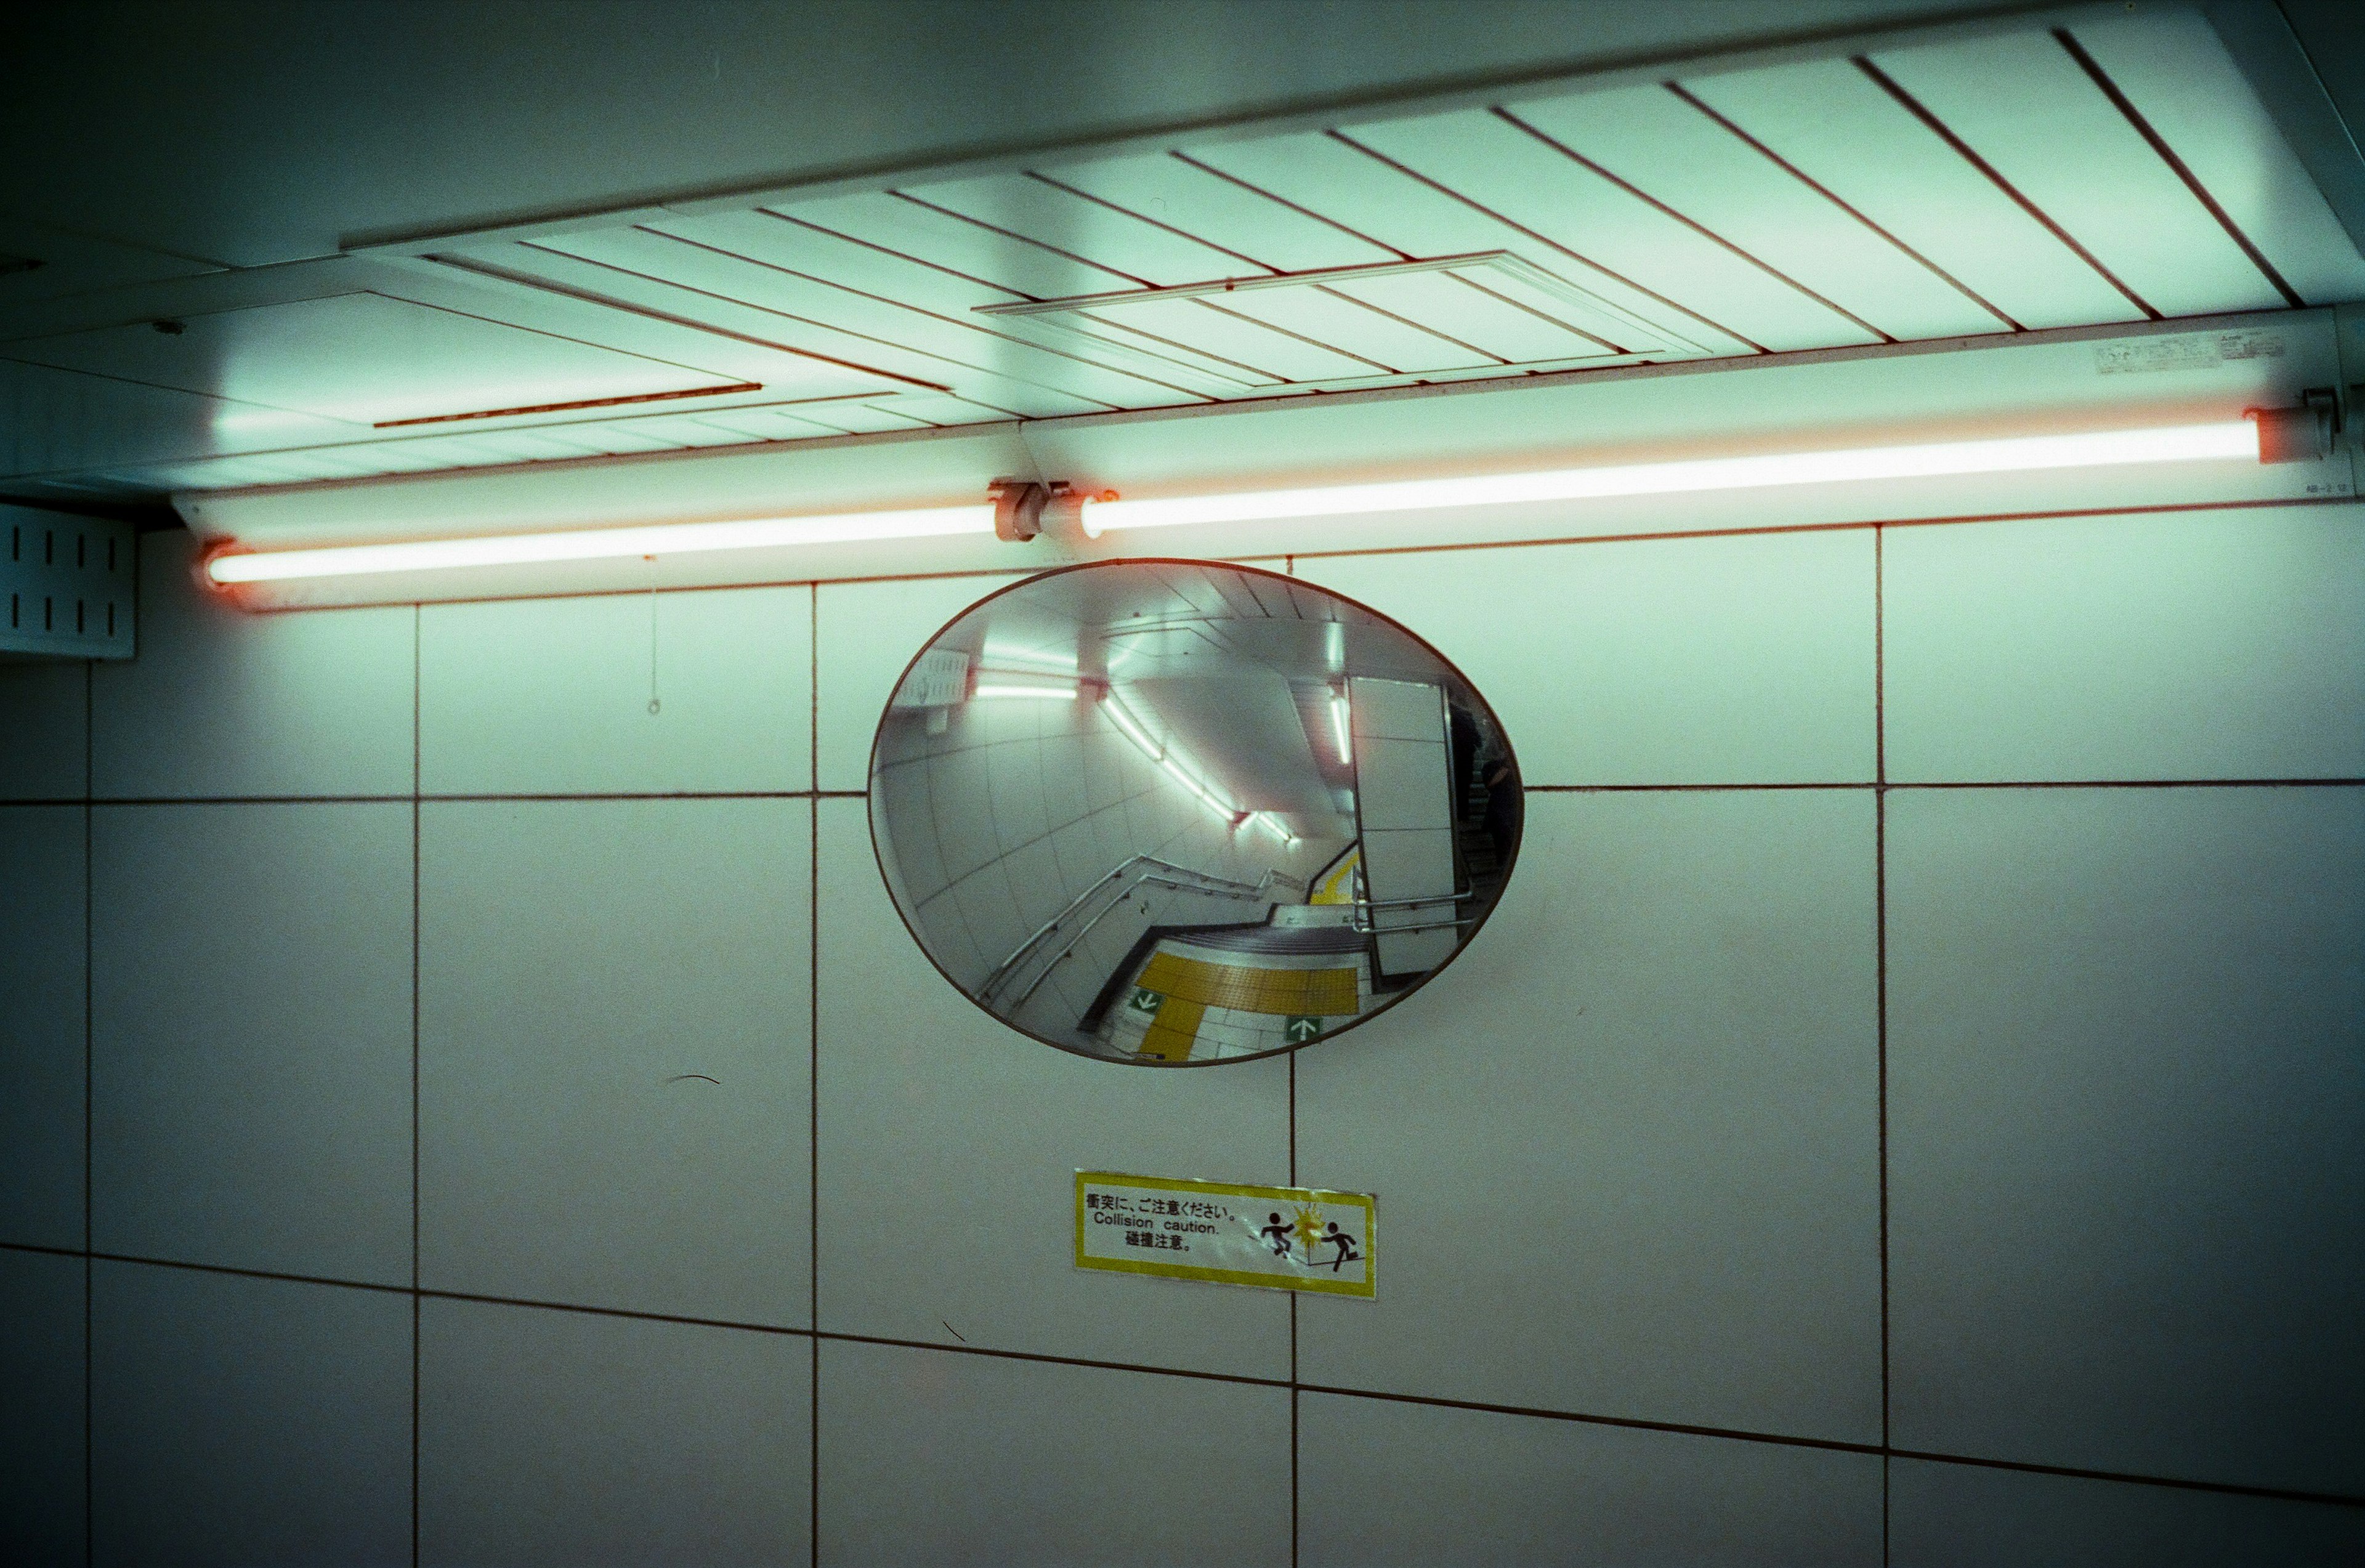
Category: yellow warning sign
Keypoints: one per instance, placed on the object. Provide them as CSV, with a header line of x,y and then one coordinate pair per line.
x,y
1290,1238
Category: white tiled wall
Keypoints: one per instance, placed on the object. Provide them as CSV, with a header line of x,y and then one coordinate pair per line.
x,y
466,1092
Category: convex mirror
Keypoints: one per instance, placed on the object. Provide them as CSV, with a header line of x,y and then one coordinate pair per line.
x,y
1174,813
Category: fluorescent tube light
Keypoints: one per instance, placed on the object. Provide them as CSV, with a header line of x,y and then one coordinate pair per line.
x,y
1338,727
594,544
1045,693
2176,444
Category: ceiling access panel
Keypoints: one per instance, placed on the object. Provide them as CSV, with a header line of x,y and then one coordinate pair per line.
x,y
886,360
1167,188
2181,79
2023,104
771,262
1676,152
363,359
1541,188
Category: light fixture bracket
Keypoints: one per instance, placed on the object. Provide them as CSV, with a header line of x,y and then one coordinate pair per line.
x,y
1020,507
2303,434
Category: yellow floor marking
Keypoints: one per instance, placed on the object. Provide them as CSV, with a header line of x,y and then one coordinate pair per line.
x,y
1173,1031
1304,993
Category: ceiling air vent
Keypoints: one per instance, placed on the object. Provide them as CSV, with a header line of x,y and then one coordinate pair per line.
x,y
1455,318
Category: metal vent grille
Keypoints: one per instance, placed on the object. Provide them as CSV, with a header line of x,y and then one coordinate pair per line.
x,y
65,584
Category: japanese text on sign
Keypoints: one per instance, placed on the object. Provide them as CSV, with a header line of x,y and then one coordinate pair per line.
x,y
1297,1238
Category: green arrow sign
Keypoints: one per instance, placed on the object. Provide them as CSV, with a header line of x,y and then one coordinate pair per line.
x,y
1297,1031
1145,1001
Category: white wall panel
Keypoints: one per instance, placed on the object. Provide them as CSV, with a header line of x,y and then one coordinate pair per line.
x,y
562,1437
577,960
250,1016
2125,1080
43,1440
1627,1145
1383,1484
933,1458
2215,644
1961,1515
49,712
42,1061
236,1421
553,696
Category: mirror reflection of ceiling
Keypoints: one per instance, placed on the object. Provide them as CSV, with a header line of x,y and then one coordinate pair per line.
x,y
1168,812
1986,179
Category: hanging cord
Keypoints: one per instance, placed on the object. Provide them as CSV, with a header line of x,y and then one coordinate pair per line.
x,y
653,652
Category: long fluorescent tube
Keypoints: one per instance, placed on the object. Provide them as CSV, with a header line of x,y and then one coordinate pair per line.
x,y
1067,693
1338,727
2176,444
596,544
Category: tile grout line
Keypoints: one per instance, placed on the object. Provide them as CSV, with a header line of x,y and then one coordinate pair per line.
x,y
418,638
89,1075
1881,975
1195,1374
1294,1531
813,1060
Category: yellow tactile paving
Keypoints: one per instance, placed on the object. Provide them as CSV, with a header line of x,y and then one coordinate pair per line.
x,y
1301,993
1173,1033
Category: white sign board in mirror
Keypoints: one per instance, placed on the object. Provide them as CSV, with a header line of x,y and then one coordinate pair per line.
x,y
1174,813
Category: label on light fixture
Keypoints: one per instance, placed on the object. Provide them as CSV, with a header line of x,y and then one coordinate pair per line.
x,y
1290,1238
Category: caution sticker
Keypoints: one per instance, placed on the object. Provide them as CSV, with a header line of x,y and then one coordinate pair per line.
x,y
1290,1238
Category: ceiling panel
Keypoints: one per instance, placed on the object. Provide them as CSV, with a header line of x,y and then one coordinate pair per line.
x,y
1985,184
1677,152
674,296
1350,185
362,358
805,272
1064,221
2179,78
1541,188
1821,117
967,353
2023,104
1168,188
891,222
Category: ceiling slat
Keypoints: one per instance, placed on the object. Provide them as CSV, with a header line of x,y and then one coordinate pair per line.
x,y
1653,139
806,271
1509,172
1166,188
1348,185
1068,222
2179,77
2023,105
1820,117
664,290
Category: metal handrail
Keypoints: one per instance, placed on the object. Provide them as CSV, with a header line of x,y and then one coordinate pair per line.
x,y
1222,886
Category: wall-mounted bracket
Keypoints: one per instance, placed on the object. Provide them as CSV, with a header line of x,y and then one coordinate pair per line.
x,y
2304,434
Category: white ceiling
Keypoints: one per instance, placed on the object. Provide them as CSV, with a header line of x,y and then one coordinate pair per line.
x,y
1981,183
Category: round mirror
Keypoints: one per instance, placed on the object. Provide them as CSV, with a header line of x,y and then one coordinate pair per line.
x,y
1174,813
